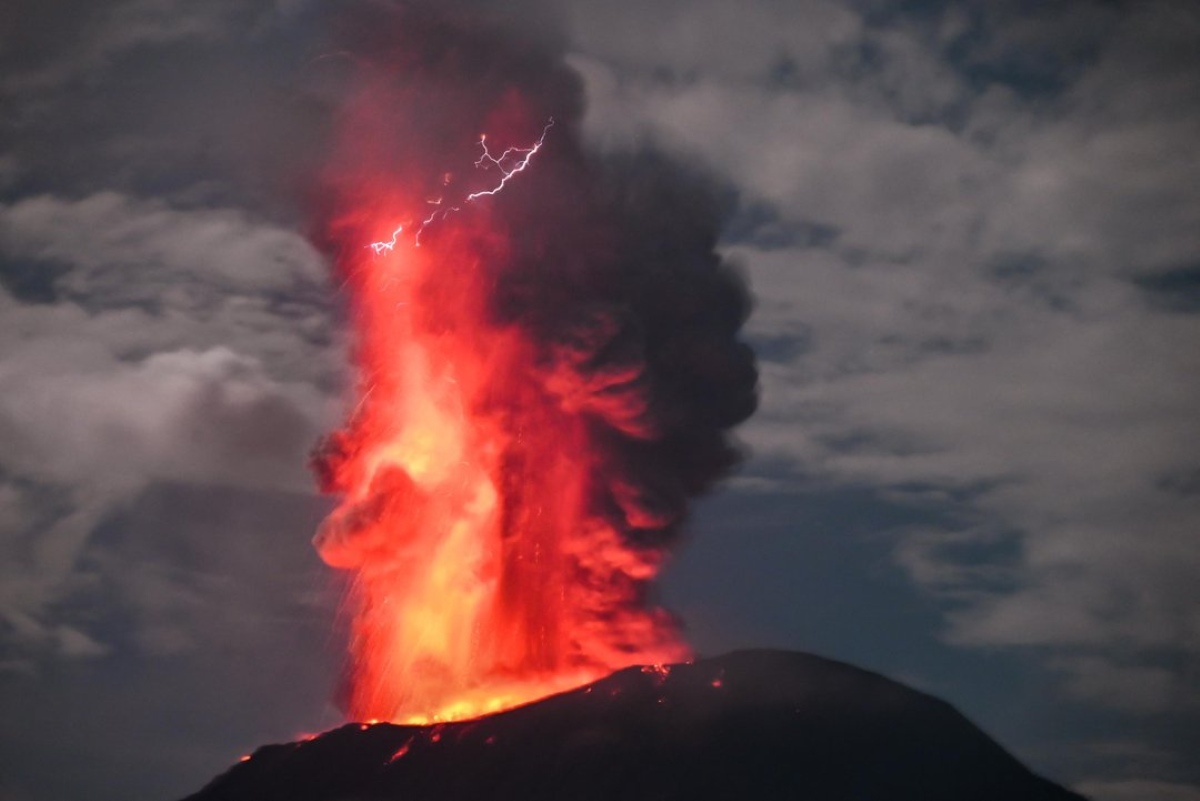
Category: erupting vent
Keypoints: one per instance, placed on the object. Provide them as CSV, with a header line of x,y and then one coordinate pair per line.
x,y
548,363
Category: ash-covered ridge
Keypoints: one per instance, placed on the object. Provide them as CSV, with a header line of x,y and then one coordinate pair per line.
x,y
748,726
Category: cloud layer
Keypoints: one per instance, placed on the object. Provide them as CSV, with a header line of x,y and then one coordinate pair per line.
x,y
972,241
972,233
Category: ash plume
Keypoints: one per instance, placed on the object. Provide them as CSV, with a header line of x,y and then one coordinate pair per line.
x,y
617,323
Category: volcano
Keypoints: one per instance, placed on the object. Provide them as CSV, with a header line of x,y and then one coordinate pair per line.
x,y
753,725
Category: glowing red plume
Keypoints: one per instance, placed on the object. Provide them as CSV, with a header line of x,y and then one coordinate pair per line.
x,y
522,443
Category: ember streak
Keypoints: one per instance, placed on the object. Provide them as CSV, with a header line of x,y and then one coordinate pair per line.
x,y
545,376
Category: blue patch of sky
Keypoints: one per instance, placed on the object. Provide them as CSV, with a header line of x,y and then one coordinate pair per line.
x,y
814,570
760,225
1175,290
32,281
781,348
824,581
1032,70
1031,275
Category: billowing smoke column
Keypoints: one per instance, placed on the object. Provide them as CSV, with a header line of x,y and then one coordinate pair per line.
x,y
548,360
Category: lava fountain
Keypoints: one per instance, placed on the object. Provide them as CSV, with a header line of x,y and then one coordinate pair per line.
x,y
548,366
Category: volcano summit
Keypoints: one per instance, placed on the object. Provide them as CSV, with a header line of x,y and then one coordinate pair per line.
x,y
749,726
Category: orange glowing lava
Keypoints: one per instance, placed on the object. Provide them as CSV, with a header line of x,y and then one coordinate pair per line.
x,y
484,577
548,368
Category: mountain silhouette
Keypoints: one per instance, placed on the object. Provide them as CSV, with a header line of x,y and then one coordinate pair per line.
x,y
756,725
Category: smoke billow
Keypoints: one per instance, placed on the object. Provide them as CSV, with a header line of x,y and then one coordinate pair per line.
x,y
580,318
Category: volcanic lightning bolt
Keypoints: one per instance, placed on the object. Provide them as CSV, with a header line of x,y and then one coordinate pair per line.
x,y
507,172
508,164
382,247
545,375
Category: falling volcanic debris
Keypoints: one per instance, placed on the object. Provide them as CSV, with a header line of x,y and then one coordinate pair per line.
x,y
548,368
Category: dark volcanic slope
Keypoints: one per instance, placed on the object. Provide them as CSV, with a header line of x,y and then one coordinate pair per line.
x,y
747,726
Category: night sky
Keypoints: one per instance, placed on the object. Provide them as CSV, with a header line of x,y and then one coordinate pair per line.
x,y
972,231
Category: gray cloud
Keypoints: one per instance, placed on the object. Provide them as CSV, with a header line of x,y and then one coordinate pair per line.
x,y
218,620
53,43
972,233
178,347
973,322
170,348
